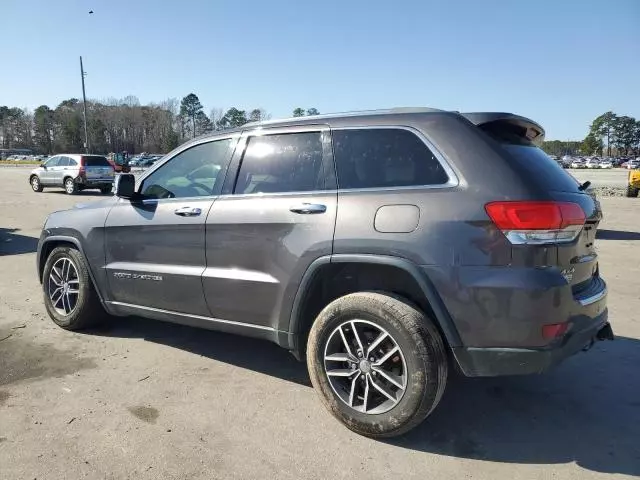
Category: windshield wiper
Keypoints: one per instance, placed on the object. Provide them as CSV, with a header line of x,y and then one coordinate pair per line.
x,y
584,186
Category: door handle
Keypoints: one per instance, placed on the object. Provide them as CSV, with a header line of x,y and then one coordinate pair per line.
x,y
308,208
188,211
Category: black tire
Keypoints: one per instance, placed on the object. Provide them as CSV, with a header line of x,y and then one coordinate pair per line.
x,y
422,349
36,186
70,186
106,190
632,192
88,310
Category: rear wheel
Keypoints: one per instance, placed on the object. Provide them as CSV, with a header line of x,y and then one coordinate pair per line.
x,y
378,364
35,184
69,296
632,191
70,186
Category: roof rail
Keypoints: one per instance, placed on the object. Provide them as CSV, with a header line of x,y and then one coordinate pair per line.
x,y
353,113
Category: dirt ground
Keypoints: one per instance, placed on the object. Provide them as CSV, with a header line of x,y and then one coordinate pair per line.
x,y
146,400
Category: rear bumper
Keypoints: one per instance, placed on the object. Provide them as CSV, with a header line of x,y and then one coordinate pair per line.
x,y
94,183
489,362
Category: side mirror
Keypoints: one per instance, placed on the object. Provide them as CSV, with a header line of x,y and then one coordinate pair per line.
x,y
125,185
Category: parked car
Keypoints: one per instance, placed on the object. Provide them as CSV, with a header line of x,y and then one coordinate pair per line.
x,y
633,164
73,172
356,243
606,164
577,164
592,163
633,183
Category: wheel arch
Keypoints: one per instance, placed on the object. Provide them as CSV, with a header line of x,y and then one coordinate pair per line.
x,y
377,272
52,242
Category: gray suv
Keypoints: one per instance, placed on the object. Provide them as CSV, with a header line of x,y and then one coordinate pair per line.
x,y
388,248
73,172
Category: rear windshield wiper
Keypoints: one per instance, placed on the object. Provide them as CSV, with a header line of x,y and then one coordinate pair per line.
x,y
584,186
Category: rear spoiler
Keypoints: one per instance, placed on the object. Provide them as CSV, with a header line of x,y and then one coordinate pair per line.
x,y
526,127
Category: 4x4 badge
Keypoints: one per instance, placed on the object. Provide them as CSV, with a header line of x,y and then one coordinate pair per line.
x,y
567,273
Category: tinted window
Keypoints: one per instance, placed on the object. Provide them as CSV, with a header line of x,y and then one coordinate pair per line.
x,y
534,163
64,162
531,161
379,158
95,161
72,161
289,162
196,172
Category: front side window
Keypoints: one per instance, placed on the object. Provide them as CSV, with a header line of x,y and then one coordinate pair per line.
x,y
384,158
290,162
195,172
52,162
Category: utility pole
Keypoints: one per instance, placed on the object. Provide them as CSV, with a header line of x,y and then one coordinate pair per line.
x,y
84,109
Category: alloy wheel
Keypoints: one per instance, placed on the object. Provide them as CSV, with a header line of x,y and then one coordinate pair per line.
x,y
63,286
35,183
365,367
68,186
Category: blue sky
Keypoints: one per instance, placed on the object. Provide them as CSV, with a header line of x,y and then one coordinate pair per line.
x,y
560,62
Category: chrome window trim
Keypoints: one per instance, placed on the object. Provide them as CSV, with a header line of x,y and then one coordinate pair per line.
x,y
453,181
278,194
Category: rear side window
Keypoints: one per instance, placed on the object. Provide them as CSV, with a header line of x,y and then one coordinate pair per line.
x,y
64,162
95,161
290,162
383,158
531,161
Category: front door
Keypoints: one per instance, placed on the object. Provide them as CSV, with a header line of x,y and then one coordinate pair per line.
x,y
48,171
276,217
155,247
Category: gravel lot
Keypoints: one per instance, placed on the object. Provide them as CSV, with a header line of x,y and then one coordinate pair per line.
x,y
145,400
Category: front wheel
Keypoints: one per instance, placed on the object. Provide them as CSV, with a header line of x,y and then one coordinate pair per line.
x,y
378,364
36,185
69,296
70,186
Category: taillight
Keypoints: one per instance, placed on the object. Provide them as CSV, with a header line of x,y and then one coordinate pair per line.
x,y
82,171
554,330
536,223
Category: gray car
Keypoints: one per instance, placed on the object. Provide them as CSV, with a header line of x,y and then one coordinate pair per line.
x,y
73,172
387,248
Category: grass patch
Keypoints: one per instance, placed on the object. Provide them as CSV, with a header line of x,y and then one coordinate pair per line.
x,y
21,162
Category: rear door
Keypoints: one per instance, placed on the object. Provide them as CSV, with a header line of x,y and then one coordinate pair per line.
x,y
277,216
57,172
155,247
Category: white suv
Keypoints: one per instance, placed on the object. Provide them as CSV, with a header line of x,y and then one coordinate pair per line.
x,y
73,172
